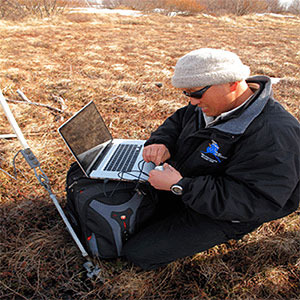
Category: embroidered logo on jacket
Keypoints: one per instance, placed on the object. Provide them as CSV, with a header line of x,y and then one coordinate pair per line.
x,y
214,150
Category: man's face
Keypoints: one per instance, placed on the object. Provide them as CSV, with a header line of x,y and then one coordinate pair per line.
x,y
216,100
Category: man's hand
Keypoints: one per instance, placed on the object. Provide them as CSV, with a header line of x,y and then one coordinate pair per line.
x,y
163,180
157,153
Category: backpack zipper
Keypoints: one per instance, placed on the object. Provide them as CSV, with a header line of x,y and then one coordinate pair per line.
x,y
72,184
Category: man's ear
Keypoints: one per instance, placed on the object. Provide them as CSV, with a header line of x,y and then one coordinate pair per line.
x,y
233,86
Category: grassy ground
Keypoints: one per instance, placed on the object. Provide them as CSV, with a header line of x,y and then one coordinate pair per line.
x,y
124,64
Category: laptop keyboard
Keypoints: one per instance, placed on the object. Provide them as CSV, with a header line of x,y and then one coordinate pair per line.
x,y
124,158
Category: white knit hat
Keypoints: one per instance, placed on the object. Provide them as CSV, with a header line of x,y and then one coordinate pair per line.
x,y
208,66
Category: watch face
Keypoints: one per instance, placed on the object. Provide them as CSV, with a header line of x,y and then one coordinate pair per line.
x,y
177,189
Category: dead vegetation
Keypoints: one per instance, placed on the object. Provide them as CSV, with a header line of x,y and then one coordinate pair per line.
x,y
20,9
124,64
216,7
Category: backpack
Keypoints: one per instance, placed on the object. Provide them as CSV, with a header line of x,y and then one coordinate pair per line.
x,y
105,213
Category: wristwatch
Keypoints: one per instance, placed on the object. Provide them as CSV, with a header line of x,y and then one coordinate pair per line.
x,y
177,189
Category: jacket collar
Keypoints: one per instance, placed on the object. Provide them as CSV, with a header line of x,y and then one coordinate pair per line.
x,y
239,124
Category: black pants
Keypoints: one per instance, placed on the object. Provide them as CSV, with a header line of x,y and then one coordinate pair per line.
x,y
176,231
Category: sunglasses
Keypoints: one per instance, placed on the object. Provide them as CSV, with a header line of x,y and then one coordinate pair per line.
x,y
197,94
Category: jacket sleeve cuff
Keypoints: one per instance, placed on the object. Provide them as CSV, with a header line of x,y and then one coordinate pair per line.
x,y
185,183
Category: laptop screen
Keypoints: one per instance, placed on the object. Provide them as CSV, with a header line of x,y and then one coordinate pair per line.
x,y
86,135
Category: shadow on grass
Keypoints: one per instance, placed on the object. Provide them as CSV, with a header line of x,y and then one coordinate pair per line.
x,y
39,260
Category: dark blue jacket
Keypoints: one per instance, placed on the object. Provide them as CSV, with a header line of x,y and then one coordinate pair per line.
x,y
244,168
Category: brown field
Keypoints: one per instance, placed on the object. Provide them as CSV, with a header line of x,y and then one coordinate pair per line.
x,y
118,62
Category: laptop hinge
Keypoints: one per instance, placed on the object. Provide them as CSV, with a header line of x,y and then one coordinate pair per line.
x,y
99,159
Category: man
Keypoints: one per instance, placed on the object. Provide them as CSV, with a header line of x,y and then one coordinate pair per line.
x,y
230,161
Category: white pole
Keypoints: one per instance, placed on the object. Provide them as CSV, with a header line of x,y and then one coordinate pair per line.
x,y
69,226
13,122
23,142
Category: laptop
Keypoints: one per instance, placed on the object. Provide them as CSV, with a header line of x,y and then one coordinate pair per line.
x,y
97,153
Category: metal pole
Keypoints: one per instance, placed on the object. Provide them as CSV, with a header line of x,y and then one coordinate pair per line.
x,y
34,163
69,227
13,122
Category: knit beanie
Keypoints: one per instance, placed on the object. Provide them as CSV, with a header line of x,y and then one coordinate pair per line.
x,y
208,66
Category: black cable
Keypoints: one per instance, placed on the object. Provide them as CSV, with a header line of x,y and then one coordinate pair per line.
x,y
121,174
11,176
140,171
14,168
114,189
14,164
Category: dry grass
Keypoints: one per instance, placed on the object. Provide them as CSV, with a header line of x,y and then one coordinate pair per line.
x,y
187,7
118,62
